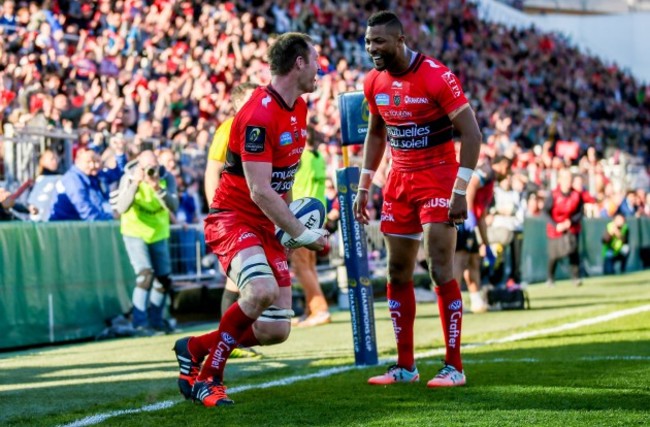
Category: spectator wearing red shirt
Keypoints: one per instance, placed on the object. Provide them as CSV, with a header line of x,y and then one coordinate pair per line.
x,y
563,210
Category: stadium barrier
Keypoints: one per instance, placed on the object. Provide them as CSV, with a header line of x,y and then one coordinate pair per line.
x,y
61,281
535,256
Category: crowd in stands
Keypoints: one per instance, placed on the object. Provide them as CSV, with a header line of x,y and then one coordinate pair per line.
x,y
158,74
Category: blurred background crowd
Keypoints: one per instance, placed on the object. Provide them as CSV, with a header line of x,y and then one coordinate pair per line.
x,y
120,76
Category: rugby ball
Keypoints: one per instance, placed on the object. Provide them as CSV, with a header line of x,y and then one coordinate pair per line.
x,y
309,211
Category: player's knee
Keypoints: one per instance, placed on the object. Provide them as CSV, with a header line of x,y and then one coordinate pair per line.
x,y
276,335
273,325
144,278
398,273
261,293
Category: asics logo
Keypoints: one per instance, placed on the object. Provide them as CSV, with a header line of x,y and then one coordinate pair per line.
x,y
393,305
456,305
227,338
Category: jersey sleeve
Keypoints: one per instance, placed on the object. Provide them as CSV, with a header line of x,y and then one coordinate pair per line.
x,y
220,142
254,135
446,90
368,84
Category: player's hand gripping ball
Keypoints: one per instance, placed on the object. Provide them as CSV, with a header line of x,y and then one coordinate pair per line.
x,y
309,211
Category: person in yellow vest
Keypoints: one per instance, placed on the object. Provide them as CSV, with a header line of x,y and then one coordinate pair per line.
x,y
615,247
310,182
216,162
146,196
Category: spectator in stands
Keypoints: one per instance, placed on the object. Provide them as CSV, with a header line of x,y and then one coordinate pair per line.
x,y
8,21
563,211
80,194
629,205
48,163
145,198
310,182
9,206
615,247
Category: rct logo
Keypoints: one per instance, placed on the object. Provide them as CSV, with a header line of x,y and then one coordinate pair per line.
x,y
227,338
456,305
393,305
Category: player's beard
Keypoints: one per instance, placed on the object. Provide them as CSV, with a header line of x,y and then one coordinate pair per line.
x,y
386,60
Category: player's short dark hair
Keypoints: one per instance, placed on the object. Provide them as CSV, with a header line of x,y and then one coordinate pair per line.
x,y
387,18
285,50
237,93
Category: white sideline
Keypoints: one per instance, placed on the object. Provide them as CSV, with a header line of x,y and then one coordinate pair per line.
x,y
98,418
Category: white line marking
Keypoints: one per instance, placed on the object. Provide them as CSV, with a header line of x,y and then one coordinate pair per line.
x,y
573,325
96,419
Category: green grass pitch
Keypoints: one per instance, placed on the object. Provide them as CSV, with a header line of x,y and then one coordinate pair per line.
x,y
569,370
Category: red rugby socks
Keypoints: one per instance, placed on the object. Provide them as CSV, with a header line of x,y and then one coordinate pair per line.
x,y
401,304
450,305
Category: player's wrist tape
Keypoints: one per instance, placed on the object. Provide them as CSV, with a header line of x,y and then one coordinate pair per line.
x,y
459,191
465,173
362,189
368,172
306,238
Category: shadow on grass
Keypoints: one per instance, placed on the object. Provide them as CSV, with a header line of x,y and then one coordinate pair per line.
x,y
557,380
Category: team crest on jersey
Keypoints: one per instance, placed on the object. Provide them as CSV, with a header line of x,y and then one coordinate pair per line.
x,y
382,99
285,138
255,136
397,99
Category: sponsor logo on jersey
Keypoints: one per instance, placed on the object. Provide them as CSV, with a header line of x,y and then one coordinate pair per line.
x,y
298,150
294,120
397,99
397,84
387,217
432,64
437,202
399,114
282,265
303,133
451,81
382,99
411,100
282,178
255,137
245,236
265,101
285,138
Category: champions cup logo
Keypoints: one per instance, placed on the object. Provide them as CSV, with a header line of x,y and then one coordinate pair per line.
x,y
227,338
343,189
456,305
364,281
365,113
254,134
352,283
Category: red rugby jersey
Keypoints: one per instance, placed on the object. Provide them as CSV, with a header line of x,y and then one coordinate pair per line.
x,y
415,105
267,130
